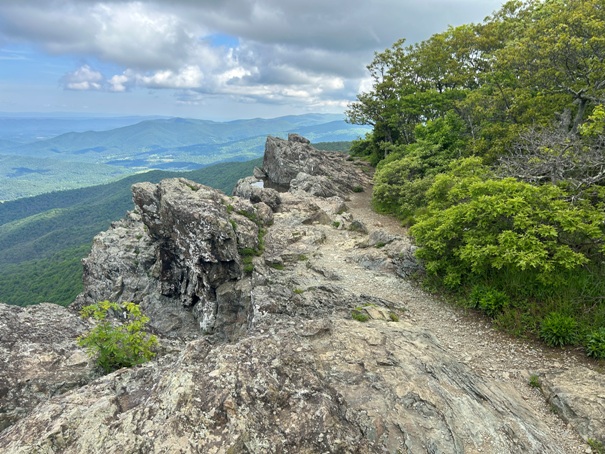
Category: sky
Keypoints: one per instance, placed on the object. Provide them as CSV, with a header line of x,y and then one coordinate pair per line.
x,y
210,59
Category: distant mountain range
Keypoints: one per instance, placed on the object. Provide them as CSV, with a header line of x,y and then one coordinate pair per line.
x,y
78,159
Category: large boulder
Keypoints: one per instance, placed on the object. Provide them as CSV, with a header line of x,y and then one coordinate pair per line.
x,y
578,395
173,254
285,159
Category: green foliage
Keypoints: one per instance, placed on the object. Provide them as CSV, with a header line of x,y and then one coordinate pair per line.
x,y
357,188
277,266
595,344
558,330
117,345
489,300
475,225
359,315
534,381
333,146
596,446
393,316
57,279
489,141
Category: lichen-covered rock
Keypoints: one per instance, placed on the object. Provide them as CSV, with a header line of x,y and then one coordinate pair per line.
x,y
326,172
314,386
315,185
173,253
40,357
253,189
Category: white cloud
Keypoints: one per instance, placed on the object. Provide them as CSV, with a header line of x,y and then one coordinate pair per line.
x,y
118,83
83,78
281,51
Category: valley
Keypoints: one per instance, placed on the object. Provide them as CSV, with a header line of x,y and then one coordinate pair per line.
x,y
79,158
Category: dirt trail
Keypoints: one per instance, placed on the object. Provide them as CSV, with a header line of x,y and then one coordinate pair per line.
x,y
469,336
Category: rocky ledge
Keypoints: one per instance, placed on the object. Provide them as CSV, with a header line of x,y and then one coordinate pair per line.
x,y
259,350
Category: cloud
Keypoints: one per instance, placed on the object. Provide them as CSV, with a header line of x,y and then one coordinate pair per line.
x,y
252,50
83,78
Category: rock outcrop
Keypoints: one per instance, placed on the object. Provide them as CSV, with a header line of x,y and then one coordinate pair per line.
x,y
265,356
296,166
178,255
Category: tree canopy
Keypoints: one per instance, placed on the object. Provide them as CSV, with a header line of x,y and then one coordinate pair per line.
x,y
489,141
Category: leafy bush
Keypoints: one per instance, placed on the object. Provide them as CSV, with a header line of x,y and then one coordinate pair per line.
x,y
558,330
118,345
475,226
489,300
595,344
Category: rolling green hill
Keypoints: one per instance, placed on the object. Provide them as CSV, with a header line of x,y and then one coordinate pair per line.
x,y
79,159
44,238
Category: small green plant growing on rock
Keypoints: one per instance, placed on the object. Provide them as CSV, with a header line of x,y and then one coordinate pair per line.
x,y
393,316
558,330
117,345
596,445
534,381
595,344
298,291
277,266
336,224
358,189
359,315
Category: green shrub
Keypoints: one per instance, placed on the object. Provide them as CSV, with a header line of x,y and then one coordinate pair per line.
x,y
477,227
596,446
117,345
489,300
558,330
358,189
595,344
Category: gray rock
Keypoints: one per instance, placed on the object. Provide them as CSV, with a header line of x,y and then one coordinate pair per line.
x,y
315,185
578,395
318,386
172,255
40,357
357,226
284,160
252,188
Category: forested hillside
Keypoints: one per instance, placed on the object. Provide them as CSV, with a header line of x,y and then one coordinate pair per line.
x,y
489,142
44,238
